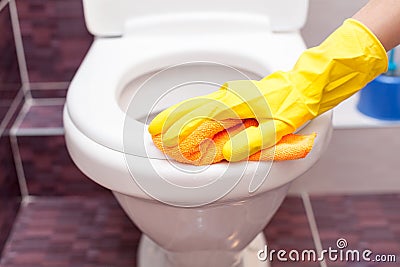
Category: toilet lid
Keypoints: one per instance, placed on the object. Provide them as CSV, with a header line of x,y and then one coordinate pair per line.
x,y
113,18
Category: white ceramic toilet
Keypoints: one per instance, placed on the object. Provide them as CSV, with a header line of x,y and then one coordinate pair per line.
x,y
148,55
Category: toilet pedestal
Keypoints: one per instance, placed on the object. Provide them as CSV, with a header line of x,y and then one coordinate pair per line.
x,y
150,254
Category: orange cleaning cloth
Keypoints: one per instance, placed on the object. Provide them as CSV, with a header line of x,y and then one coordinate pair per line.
x,y
204,145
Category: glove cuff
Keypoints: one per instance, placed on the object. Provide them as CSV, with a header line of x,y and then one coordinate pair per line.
x,y
377,47
344,63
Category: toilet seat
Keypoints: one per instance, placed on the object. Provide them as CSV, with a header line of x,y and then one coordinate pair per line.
x,y
92,100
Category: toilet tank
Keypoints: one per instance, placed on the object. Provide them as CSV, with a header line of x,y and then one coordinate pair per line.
x,y
114,17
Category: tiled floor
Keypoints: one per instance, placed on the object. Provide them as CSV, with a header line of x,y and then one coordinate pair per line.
x,y
82,231
72,231
289,229
89,232
365,221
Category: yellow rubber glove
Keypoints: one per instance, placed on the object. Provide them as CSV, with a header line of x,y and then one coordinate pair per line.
x,y
323,77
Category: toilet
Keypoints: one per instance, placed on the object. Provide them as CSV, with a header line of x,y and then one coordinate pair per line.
x,y
148,55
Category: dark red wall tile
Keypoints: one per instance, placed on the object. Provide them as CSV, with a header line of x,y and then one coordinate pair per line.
x,y
49,170
9,190
10,84
49,93
10,79
55,38
43,116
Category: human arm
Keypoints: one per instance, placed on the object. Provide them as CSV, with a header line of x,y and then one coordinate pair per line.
x,y
382,17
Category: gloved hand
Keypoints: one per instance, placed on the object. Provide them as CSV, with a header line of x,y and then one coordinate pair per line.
x,y
283,101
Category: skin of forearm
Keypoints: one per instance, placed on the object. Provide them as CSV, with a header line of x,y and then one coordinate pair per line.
x,y
382,17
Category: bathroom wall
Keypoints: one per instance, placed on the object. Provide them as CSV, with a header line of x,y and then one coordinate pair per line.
x,y
324,16
361,157
55,40
11,99
52,44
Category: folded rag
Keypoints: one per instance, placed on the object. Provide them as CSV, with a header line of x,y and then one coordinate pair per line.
x,y
204,145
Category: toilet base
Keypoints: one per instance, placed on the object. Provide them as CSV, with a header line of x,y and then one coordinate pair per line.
x,y
150,254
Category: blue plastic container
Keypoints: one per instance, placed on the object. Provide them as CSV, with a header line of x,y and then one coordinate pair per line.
x,y
381,98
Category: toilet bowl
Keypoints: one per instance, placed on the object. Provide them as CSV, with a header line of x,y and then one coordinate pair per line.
x,y
146,57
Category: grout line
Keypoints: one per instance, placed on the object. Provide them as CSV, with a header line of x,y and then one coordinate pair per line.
x,y
53,131
19,167
313,226
20,48
28,199
49,85
3,3
27,91
21,116
10,113
15,149
12,231
24,202
16,129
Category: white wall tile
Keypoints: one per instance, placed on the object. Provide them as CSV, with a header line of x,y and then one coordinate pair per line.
x,y
356,161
